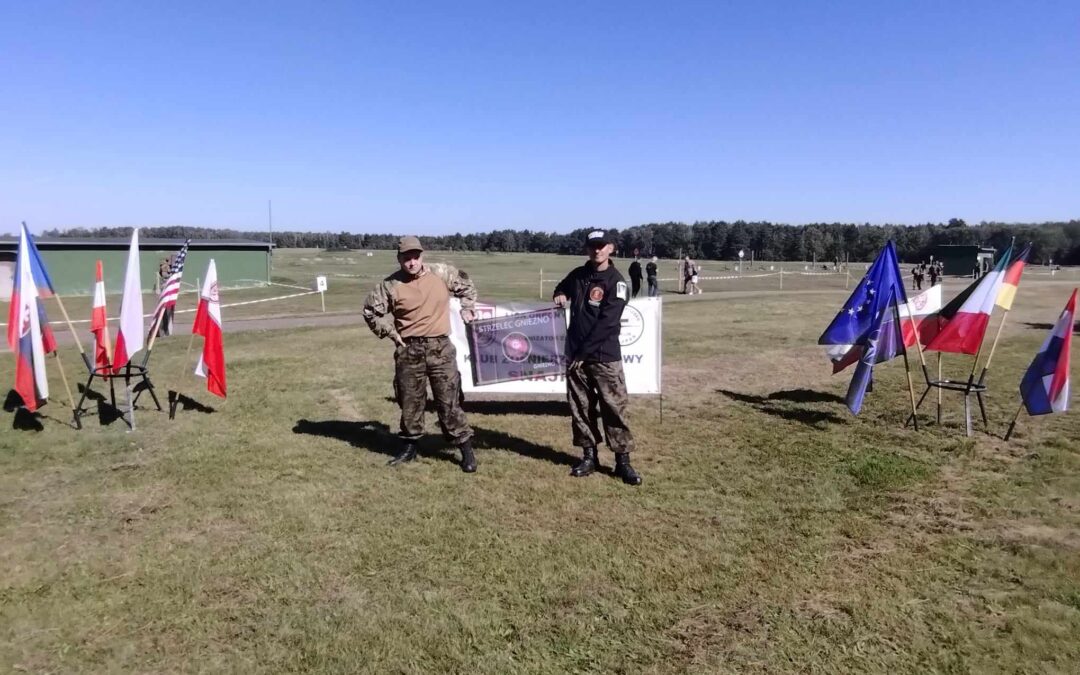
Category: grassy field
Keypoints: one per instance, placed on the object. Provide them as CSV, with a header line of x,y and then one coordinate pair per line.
x,y
774,533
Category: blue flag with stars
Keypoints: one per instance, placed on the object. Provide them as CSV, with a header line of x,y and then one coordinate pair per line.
x,y
867,323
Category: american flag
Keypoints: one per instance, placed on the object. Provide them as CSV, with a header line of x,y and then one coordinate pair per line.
x,y
170,290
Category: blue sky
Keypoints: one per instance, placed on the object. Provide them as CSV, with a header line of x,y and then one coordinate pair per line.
x,y
468,116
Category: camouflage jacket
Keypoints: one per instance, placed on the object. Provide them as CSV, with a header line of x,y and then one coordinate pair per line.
x,y
379,306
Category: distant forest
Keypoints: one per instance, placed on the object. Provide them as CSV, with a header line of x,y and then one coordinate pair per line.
x,y
714,240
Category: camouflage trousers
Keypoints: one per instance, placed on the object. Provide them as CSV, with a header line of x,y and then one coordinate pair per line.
x,y
597,393
434,360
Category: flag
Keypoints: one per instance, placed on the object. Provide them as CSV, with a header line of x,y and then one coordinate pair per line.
x,y
1045,386
847,333
41,281
29,334
965,325
208,324
884,341
1011,282
920,314
130,338
170,289
99,323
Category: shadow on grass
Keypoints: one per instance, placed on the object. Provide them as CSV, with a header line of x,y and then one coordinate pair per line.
x,y
184,403
106,411
774,404
377,437
23,420
1048,326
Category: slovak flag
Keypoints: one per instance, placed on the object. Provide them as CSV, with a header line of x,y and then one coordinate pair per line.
x,y
99,323
1045,387
130,338
208,324
29,335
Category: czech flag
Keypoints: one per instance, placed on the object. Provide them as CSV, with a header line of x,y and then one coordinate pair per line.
x,y
29,335
1045,387
208,324
99,323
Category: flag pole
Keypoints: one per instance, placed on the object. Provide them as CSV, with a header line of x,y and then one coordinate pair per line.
x,y
1012,425
74,333
939,388
63,378
990,356
907,367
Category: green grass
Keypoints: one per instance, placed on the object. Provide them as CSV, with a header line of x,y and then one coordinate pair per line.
x,y
775,532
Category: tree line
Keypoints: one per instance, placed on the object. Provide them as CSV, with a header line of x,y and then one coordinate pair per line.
x,y
1056,242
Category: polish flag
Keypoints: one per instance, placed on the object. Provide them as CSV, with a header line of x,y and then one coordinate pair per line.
x,y
130,338
208,324
921,312
99,324
963,333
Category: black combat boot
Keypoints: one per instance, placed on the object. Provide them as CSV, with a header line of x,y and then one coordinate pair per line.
x,y
408,454
468,459
624,470
587,464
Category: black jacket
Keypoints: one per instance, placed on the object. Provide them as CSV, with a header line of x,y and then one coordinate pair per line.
x,y
596,304
635,270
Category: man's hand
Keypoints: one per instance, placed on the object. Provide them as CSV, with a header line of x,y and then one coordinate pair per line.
x,y
560,300
574,365
468,316
397,339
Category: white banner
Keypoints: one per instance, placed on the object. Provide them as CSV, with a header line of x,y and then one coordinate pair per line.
x,y
640,340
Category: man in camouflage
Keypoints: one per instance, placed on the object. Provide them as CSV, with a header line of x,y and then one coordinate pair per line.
x,y
412,308
595,385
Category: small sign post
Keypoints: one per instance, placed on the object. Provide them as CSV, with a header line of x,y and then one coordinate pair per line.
x,y
320,286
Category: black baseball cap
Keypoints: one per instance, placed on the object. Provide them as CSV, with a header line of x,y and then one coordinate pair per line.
x,y
597,238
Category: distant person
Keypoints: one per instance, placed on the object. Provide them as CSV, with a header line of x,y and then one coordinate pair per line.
x,y
933,275
650,276
635,277
164,272
690,274
411,307
595,382
916,278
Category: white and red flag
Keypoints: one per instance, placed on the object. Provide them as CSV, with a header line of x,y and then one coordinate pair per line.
x,y
920,315
99,323
29,335
130,338
208,324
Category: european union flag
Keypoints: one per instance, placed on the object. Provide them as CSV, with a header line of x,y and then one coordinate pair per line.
x,y
884,341
866,324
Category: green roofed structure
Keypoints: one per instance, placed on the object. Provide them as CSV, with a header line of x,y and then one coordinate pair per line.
x,y
71,262
964,260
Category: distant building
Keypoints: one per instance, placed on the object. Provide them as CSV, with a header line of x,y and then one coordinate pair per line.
x,y
964,260
70,262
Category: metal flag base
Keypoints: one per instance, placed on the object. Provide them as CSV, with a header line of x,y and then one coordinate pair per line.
x,y
140,375
969,389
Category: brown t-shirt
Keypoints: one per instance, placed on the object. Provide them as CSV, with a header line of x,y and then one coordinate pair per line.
x,y
422,306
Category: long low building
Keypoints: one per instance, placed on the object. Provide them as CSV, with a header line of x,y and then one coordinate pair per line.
x,y
71,262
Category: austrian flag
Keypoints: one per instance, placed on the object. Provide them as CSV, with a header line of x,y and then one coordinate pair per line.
x,y
208,324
